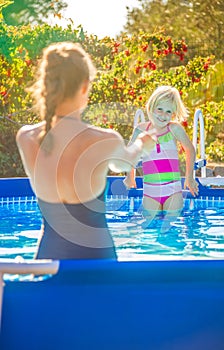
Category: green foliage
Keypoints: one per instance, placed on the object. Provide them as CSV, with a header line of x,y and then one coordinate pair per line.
x,y
213,113
10,162
3,4
129,69
22,12
199,22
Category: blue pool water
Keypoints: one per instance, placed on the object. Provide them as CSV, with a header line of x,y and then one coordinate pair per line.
x,y
198,232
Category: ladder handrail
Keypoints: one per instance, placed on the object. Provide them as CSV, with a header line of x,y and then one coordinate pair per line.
x,y
198,117
139,113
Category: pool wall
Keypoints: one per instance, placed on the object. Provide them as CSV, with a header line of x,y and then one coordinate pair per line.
x,y
21,187
159,305
106,305
15,187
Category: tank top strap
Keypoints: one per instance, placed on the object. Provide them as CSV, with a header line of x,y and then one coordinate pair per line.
x,y
148,126
169,130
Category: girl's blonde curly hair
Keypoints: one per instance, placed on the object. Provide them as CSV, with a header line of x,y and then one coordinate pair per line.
x,y
171,94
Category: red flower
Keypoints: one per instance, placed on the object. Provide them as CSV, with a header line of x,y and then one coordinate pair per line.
x,y
184,47
185,123
115,83
3,93
131,92
115,50
152,65
181,56
28,62
127,52
137,69
195,80
169,43
145,47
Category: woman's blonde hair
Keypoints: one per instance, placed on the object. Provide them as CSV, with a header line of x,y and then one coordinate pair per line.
x,y
171,94
64,67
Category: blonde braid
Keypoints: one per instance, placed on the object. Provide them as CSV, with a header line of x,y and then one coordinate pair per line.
x,y
52,94
62,70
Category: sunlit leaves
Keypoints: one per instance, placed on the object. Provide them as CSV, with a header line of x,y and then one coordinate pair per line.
x,y
23,12
129,69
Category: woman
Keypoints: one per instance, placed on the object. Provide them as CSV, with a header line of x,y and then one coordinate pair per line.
x,y
67,160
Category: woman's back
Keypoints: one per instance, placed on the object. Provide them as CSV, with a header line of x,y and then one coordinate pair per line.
x,y
75,170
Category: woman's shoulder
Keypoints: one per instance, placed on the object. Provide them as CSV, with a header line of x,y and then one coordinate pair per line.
x,y
29,131
107,141
103,132
31,128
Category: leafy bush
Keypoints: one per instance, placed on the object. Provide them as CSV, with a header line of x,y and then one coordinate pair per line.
x,y
129,69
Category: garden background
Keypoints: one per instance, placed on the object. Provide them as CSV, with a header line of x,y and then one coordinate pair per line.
x,y
186,51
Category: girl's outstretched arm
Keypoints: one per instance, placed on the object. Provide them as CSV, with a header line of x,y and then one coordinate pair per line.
x,y
188,147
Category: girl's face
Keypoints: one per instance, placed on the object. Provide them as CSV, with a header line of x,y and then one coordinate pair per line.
x,y
162,114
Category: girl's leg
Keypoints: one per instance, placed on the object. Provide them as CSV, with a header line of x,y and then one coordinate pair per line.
x,y
151,208
174,202
172,209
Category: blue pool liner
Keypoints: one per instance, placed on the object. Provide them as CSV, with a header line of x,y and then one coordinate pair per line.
x,y
165,304
153,305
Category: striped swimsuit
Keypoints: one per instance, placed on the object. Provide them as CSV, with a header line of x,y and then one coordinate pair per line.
x,y
161,173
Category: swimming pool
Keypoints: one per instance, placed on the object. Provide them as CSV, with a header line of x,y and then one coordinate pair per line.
x,y
199,231
169,302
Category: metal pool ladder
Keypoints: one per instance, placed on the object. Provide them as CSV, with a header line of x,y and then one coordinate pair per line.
x,y
139,113
200,163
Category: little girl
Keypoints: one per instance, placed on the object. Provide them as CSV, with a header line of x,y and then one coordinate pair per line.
x,y
162,190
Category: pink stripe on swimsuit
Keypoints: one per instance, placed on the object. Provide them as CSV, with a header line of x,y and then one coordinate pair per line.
x,y
159,165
